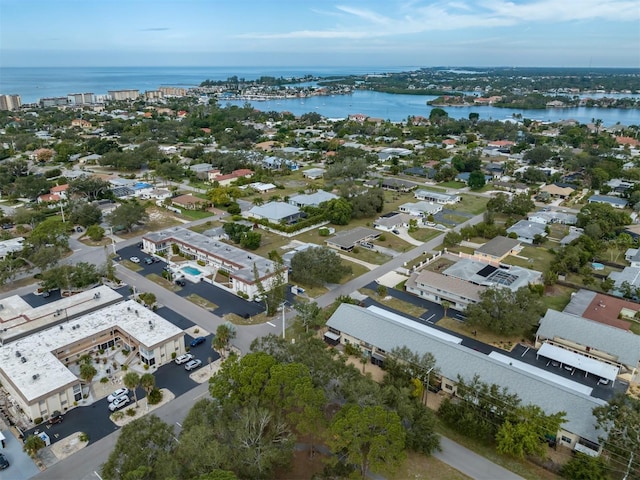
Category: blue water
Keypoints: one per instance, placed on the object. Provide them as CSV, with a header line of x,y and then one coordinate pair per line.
x,y
191,271
35,83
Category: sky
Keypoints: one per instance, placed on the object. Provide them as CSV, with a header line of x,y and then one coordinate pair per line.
x,y
555,33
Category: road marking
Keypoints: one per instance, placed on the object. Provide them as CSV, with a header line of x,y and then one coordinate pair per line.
x,y
525,352
269,323
429,319
96,474
178,423
201,395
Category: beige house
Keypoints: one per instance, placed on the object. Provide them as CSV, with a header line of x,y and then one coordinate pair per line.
x,y
556,191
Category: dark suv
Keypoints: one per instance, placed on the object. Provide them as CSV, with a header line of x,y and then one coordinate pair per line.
x,y
4,463
55,418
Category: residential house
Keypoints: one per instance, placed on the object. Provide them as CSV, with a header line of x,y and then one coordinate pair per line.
x,y
189,202
275,212
437,197
392,221
464,177
262,187
11,245
615,202
574,233
313,173
613,311
277,163
558,191
527,231
546,217
142,189
394,184
56,194
420,209
512,187
158,194
348,239
311,199
437,288
496,249
227,179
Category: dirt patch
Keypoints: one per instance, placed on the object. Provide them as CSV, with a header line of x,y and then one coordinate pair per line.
x,y
376,373
201,302
68,446
253,320
439,265
199,333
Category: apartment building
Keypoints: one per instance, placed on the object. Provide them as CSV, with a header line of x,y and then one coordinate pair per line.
x,y
123,94
10,102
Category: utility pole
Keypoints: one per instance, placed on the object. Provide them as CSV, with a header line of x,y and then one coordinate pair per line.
x,y
283,320
626,475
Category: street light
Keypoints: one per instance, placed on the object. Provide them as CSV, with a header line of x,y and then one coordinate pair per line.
x,y
426,397
283,319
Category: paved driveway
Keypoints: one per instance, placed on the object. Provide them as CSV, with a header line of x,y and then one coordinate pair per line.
x,y
21,466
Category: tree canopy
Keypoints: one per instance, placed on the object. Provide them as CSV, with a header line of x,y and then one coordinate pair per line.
x,y
317,265
127,215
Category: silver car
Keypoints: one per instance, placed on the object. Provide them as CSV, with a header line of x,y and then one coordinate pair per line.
x,y
193,364
183,358
119,403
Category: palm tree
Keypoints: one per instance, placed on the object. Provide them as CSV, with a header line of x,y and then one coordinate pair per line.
x,y
32,444
131,381
446,306
148,383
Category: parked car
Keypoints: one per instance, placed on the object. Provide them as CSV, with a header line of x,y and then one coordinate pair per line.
x,y
46,294
156,260
4,463
181,282
197,341
148,260
603,381
55,418
134,259
140,245
119,403
183,358
117,394
193,364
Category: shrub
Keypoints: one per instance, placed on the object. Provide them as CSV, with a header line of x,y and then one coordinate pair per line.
x,y
117,416
125,368
201,263
125,352
37,421
146,367
174,355
104,380
197,330
101,351
83,437
243,295
131,412
382,237
155,397
324,232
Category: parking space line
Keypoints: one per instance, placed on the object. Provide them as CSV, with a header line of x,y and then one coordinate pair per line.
x,y
273,325
429,319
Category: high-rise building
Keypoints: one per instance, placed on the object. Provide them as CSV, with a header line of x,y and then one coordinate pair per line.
x,y
53,101
173,91
123,94
10,102
81,98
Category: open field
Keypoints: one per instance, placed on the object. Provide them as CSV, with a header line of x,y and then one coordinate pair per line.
x,y
425,234
484,336
472,204
394,303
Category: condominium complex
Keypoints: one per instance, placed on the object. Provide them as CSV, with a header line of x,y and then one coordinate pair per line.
x,y
81,98
10,102
123,94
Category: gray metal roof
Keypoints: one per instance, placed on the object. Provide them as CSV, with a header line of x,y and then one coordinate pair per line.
x,y
275,211
580,301
527,229
453,360
349,238
614,341
498,246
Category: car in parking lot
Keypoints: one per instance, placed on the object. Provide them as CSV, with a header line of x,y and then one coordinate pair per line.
x,y
4,463
183,358
134,259
55,418
181,282
148,260
197,341
119,403
366,245
193,364
603,381
118,393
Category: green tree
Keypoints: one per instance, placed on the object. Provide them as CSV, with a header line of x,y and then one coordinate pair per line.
x,y
224,334
251,240
438,116
317,265
32,445
476,180
127,215
131,381
338,211
52,231
87,372
382,290
585,467
92,188
504,311
620,421
370,437
451,239
95,232
525,429
308,314
85,214
143,451
148,383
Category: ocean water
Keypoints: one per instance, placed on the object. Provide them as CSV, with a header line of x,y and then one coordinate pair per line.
x,y
35,83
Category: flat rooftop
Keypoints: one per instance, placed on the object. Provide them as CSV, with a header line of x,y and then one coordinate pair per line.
x,y
34,370
18,318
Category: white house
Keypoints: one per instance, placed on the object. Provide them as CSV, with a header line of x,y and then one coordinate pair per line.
x,y
420,209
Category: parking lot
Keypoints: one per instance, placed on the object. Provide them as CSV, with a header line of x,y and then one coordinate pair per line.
x,y
225,301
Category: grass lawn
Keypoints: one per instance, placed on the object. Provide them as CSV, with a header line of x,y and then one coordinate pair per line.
x,y
538,258
311,291
163,282
196,214
254,320
393,242
130,265
366,255
201,302
159,218
485,336
425,234
452,184
421,467
454,218
356,270
205,226
271,241
93,243
472,204
523,468
557,297
433,189
396,304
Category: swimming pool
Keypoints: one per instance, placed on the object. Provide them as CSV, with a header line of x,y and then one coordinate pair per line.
x,y
191,271
597,266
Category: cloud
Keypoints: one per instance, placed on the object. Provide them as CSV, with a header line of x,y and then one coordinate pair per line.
x,y
155,29
414,17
